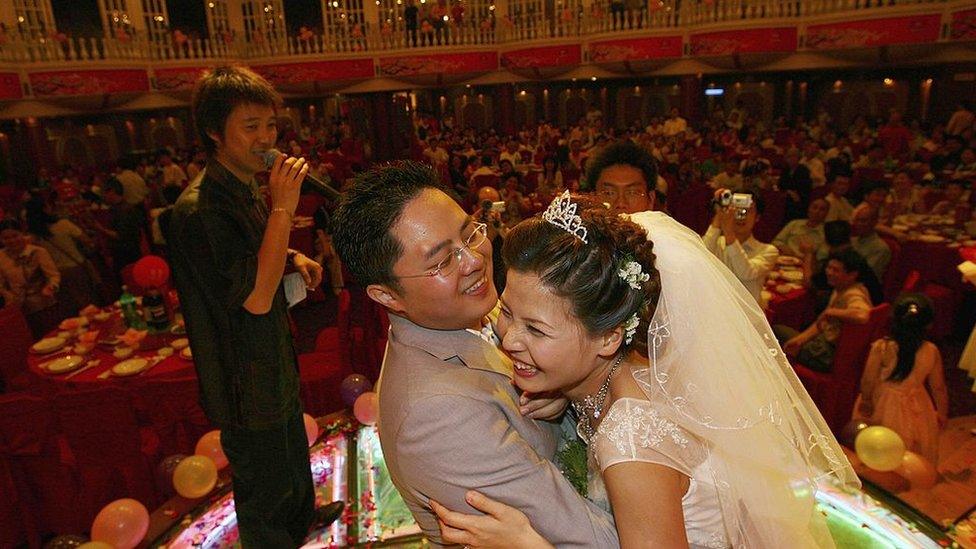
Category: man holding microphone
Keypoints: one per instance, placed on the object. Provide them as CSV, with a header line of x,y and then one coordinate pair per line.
x,y
228,254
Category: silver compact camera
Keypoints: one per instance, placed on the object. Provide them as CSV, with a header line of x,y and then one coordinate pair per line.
x,y
739,202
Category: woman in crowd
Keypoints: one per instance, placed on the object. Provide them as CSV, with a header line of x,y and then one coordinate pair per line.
x,y
33,264
64,241
855,290
902,370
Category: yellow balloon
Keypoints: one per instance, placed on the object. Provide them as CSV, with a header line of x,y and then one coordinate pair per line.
x,y
195,477
880,448
96,545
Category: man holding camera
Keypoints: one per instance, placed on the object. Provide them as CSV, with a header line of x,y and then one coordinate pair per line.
x,y
730,238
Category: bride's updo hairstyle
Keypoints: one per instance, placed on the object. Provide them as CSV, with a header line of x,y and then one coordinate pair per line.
x,y
586,273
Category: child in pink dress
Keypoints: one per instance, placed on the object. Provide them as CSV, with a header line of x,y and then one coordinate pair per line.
x,y
902,378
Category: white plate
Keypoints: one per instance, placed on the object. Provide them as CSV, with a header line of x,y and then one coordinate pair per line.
x,y
186,353
931,238
48,345
64,364
73,323
792,276
102,317
788,260
130,367
181,343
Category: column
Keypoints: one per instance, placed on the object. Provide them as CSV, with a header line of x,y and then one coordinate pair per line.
x,y
505,109
691,98
380,106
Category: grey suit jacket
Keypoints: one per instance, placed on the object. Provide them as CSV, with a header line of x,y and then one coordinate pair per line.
x,y
449,422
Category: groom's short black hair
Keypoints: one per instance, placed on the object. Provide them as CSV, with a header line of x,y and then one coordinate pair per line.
x,y
367,213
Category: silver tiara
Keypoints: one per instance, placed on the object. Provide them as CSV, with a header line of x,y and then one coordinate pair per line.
x,y
562,213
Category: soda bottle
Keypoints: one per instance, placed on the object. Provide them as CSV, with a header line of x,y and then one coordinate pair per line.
x,y
154,310
130,311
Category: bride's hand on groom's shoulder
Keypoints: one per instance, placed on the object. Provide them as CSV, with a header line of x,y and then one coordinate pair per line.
x,y
500,527
544,406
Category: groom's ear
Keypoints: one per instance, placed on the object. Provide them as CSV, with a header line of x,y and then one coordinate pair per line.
x,y
611,342
385,296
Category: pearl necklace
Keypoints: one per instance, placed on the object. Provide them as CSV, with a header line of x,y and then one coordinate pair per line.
x,y
593,405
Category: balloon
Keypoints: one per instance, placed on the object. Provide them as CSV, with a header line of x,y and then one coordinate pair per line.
x,y
195,477
209,445
96,545
353,386
311,428
122,524
150,271
164,473
67,541
880,448
851,430
918,471
366,408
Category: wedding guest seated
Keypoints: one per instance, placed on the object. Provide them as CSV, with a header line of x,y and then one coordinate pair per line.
x,y
801,234
837,237
850,302
729,178
730,238
11,283
905,197
41,278
839,207
902,370
865,239
967,164
955,195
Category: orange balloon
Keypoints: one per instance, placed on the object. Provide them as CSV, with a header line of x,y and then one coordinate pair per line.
x,y
918,471
311,428
121,524
195,477
209,445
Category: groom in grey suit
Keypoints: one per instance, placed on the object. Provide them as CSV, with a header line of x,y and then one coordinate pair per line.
x,y
449,418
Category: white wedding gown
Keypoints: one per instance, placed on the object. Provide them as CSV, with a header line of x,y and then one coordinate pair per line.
x,y
634,431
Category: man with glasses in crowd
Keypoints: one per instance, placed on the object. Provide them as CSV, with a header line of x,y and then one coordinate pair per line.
x,y
450,419
624,176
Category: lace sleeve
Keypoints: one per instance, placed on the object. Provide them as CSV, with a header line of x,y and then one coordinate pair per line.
x,y
633,430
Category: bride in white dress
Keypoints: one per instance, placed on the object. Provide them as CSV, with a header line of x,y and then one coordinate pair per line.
x,y
702,438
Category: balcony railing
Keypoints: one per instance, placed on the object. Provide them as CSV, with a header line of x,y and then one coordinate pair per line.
x,y
517,21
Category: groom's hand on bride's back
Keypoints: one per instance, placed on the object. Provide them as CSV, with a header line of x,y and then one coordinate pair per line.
x,y
544,406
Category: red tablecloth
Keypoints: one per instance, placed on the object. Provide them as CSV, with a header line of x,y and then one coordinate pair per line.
x,y
794,309
170,367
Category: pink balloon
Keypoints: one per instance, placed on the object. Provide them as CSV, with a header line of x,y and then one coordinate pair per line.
x,y
122,524
209,445
918,471
366,408
311,428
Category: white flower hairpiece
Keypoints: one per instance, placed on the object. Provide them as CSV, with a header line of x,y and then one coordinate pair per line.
x,y
630,328
562,213
633,274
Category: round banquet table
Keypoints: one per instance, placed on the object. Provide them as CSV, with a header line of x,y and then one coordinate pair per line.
x,y
170,367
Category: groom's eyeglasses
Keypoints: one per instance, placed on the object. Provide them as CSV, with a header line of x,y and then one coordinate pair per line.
x,y
449,264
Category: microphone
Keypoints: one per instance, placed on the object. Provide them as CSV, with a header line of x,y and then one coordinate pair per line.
x,y
310,183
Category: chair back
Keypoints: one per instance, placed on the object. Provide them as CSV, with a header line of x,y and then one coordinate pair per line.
x,y
773,217
14,346
171,408
894,278
106,444
33,477
850,355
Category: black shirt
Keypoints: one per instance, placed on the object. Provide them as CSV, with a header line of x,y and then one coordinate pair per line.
x,y
245,363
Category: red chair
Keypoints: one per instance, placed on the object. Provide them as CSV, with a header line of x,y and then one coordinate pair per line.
x,y
14,346
110,451
835,391
34,481
323,370
485,180
171,409
894,278
945,304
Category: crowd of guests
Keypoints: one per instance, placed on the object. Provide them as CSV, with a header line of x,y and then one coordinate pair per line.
x,y
68,239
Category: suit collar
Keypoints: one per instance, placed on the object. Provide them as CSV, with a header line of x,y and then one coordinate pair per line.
x,y
473,351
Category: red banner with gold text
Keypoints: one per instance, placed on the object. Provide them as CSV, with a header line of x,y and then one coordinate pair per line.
x,y
782,39
547,56
915,29
80,82
636,49
442,63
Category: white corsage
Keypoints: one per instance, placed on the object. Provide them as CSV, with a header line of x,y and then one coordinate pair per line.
x,y
633,274
630,328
